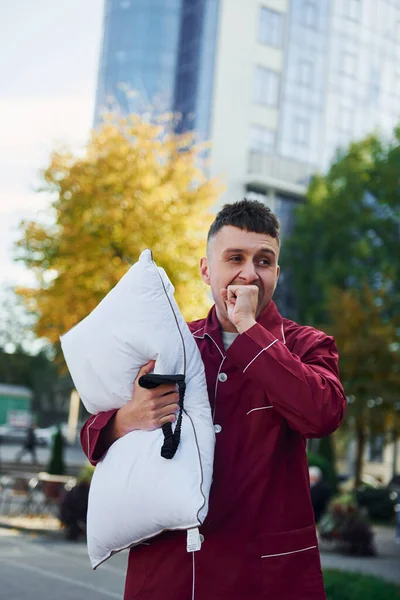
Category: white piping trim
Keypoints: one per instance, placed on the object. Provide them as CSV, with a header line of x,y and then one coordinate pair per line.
x,y
286,553
193,577
260,408
219,370
87,432
283,336
216,385
219,349
197,331
257,355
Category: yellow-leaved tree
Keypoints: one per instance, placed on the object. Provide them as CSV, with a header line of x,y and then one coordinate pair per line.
x,y
138,185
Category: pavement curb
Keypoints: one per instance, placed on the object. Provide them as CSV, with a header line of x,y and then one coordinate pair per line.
x,y
27,529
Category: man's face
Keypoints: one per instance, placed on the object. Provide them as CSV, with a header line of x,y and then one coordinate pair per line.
x,y
239,257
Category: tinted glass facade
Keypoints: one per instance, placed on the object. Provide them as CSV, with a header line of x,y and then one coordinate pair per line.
x,y
341,76
301,122
159,53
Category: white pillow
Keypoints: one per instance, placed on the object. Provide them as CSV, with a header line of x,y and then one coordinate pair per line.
x,y
135,493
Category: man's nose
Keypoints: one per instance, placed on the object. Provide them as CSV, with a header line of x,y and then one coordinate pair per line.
x,y
248,272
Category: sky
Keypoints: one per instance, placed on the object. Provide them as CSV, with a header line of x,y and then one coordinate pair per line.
x,y
49,56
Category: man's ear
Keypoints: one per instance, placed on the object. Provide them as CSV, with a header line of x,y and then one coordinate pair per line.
x,y
278,270
205,270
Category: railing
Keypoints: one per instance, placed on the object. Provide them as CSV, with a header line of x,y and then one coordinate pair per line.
x,y
41,494
278,168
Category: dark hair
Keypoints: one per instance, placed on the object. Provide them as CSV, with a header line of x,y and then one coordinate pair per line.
x,y
249,215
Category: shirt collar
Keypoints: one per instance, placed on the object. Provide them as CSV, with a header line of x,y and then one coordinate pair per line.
x,y
270,319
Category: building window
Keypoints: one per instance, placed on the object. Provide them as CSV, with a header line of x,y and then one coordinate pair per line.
x,y
353,9
374,88
397,84
266,86
346,120
270,27
349,64
310,14
301,131
305,73
262,139
376,448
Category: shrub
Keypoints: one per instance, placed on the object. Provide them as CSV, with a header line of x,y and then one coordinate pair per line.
x,y
342,585
86,473
57,464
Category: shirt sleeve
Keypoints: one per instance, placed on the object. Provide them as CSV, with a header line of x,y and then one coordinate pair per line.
x,y
92,440
304,387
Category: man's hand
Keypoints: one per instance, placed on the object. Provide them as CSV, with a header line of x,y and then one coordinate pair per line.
x,y
148,409
241,304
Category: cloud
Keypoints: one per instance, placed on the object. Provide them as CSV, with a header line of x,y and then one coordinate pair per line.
x,y
30,129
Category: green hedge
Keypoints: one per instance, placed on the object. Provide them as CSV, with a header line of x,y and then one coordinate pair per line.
x,y
342,585
56,464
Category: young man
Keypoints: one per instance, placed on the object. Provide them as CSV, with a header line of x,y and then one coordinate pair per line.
x,y
271,384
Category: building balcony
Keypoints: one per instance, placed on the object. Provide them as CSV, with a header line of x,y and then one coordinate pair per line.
x,y
268,171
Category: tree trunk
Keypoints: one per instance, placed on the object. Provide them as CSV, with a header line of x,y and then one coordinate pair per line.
x,y
360,448
395,452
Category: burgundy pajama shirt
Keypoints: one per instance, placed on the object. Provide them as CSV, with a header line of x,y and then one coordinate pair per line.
x,y
275,386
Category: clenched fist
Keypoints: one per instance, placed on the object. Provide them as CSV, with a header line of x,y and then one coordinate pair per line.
x,y
241,303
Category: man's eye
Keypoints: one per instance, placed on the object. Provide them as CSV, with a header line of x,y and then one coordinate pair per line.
x,y
235,258
265,262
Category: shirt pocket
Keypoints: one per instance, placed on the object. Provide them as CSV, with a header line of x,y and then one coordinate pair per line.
x,y
262,425
290,565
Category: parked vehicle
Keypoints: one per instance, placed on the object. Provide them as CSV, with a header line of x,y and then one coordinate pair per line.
x,y
379,502
47,433
9,434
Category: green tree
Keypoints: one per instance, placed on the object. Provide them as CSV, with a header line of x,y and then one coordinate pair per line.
x,y
17,325
326,449
346,233
57,464
344,243
137,185
368,342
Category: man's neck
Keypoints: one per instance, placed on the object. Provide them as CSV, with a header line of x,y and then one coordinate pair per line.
x,y
225,323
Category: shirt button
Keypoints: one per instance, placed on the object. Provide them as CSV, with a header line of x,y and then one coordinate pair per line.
x,y
217,428
222,377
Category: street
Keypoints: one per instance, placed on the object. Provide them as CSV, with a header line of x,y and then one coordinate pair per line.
x,y
73,455
386,564
47,567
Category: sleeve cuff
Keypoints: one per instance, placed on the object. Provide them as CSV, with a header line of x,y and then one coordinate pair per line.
x,y
92,440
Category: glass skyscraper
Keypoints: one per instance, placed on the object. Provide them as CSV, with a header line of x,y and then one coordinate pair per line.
x,y
159,53
276,86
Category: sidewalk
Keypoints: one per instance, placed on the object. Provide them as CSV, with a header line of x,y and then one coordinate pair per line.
x,y
386,564
39,525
